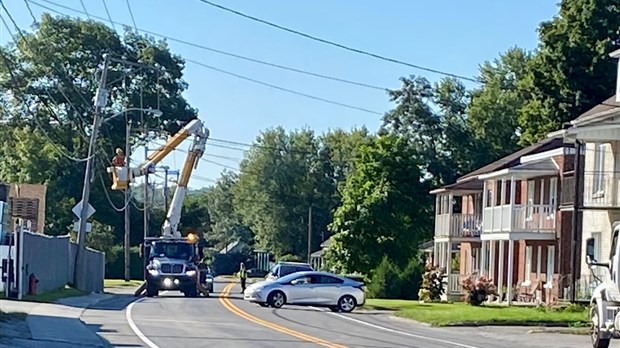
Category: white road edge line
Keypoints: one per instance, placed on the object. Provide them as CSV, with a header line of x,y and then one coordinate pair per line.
x,y
396,331
134,327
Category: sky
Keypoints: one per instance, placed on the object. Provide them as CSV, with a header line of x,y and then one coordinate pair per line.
x,y
451,36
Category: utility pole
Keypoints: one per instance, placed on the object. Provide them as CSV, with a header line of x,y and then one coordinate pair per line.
x,y
101,99
146,186
309,232
127,239
166,168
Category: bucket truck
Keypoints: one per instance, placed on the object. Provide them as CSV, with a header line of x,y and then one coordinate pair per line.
x,y
174,262
605,300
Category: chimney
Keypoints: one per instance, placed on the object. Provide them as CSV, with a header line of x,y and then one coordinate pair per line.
x,y
616,54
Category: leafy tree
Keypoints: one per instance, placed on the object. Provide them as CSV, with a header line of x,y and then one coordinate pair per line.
x,y
493,112
59,59
571,71
385,209
226,223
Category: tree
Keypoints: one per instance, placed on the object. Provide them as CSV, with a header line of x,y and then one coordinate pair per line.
x,y
226,223
571,71
47,84
433,119
493,112
385,209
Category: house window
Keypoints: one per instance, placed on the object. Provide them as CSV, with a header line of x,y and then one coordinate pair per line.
x,y
528,263
553,197
599,169
531,185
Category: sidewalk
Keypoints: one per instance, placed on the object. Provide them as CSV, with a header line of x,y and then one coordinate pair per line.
x,y
52,325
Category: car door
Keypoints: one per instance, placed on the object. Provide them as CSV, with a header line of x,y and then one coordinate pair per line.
x,y
300,290
328,290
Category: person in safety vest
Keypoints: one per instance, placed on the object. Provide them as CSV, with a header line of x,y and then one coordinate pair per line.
x,y
242,276
119,159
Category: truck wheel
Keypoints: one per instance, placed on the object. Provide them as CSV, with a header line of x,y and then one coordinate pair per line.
x,y
151,291
595,330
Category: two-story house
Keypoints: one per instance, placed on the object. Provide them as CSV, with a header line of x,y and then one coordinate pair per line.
x,y
597,135
507,210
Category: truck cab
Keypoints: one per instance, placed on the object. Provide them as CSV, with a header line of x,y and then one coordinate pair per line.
x,y
605,301
172,266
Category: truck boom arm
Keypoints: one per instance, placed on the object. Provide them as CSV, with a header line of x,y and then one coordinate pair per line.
x,y
169,228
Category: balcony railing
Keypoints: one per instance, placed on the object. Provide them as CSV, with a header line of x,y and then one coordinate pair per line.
x,y
600,190
458,225
519,218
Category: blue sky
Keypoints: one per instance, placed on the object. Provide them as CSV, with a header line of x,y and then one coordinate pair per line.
x,y
453,36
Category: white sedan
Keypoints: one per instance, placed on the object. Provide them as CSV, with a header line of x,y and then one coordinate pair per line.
x,y
309,288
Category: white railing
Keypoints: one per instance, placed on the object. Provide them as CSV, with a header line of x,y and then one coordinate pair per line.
x,y
458,225
454,283
519,218
600,190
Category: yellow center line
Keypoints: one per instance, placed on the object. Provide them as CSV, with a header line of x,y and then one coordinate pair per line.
x,y
225,301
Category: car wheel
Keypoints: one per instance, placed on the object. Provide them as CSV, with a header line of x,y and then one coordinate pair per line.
x,y
276,299
346,303
595,330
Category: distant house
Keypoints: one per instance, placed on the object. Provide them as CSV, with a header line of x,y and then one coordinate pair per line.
x,y
317,259
27,202
235,247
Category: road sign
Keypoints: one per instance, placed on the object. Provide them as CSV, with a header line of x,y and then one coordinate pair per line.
x,y
76,227
77,210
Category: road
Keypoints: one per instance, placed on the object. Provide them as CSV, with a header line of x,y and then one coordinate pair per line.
x,y
225,320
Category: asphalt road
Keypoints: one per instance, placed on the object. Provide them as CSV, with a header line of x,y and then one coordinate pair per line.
x,y
225,320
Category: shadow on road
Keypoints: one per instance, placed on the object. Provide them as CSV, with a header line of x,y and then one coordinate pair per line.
x,y
279,313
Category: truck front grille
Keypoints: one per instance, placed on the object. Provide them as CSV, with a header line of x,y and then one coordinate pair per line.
x,y
172,268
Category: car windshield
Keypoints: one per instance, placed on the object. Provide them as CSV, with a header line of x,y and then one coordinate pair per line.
x,y
181,251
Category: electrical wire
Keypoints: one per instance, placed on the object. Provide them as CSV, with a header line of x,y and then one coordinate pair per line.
x,y
132,17
85,10
214,50
332,43
105,5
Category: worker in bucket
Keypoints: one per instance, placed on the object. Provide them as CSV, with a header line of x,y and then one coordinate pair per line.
x,y
242,276
119,159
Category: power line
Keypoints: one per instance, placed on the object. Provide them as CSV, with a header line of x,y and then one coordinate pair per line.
x,y
332,43
214,50
85,10
105,5
132,17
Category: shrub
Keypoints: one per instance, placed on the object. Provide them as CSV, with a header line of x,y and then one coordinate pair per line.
x,y
411,279
432,284
478,289
385,281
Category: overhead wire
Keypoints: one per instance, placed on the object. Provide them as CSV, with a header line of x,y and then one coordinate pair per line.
x,y
214,50
107,11
332,43
132,17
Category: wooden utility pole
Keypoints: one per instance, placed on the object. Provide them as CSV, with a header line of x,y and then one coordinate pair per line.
x,y
127,239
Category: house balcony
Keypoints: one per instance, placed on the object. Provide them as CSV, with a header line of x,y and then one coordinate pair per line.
x,y
600,190
518,222
458,226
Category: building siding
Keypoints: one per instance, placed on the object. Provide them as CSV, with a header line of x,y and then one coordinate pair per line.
x,y
32,191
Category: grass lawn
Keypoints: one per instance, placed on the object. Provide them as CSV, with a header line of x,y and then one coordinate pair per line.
x,y
109,283
455,314
55,295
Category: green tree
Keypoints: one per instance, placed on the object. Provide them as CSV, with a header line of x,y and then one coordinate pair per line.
x,y
493,112
571,71
52,69
226,223
385,209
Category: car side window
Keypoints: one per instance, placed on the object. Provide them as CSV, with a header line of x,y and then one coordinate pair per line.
x,y
274,270
330,280
286,270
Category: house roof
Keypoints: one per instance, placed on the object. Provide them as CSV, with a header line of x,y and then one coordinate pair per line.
x,y
467,185
598,111
542,167
326,243
514,158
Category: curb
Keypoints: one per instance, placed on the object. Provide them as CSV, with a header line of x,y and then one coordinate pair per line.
x,y
103,297
566,331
